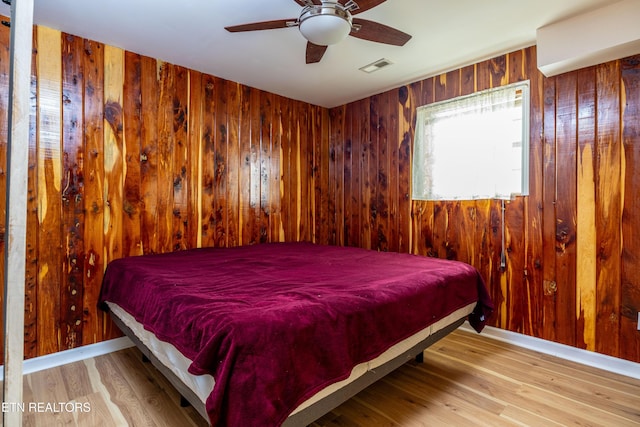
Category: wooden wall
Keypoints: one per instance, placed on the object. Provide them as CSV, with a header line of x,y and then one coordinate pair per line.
x,y
572,271
130,155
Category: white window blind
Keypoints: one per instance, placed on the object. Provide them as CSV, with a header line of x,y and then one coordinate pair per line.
x,y
473,147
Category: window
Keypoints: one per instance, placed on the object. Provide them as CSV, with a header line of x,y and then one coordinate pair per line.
x,y
473,147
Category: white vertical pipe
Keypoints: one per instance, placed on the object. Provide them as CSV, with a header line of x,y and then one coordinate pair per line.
x,y
16,193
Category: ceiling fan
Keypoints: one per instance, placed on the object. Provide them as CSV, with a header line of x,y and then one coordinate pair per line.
x,y
326,22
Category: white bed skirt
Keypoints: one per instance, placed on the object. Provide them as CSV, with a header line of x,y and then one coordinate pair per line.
x,y
202,385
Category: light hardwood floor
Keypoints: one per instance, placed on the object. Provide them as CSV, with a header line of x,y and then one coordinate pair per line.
x,y
466,380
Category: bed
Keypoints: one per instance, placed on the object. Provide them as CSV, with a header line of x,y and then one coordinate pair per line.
x,y
281,333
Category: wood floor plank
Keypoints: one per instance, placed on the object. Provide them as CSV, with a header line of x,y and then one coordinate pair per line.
x,y
115,380
471,381
76,380
522,417
47,386
465,380
570,412
105,397
355,415
45,390
408,410
194,418
159,405
529,369
98,414
470,406
545,361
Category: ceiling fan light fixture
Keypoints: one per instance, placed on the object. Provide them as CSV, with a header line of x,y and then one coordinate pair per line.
x,y
325,25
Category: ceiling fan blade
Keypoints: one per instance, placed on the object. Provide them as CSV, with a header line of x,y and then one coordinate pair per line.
x,y
364,5
376,32
266,25
303,3
315,52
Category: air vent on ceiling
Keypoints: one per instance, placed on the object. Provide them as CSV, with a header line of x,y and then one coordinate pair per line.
x,y
375,66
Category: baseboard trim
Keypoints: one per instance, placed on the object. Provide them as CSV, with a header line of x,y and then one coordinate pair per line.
x,y
578,355
73,355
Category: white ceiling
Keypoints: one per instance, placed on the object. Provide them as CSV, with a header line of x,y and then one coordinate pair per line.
x,y
446,35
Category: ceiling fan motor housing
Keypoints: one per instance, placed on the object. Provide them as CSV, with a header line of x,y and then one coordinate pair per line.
x,y
325,24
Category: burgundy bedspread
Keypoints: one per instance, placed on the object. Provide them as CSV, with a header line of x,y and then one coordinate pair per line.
x,y
275,323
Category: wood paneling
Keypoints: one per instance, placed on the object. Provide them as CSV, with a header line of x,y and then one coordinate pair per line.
x,y
571,274
195,148
72,192
132,109
94,263
630,267
131,155
50,237
608,209
534,204
181,153
31,273
164,150
114,166
586,212
565,206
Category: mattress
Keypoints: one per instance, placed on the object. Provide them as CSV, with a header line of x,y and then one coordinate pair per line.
x,y
278,323
202,385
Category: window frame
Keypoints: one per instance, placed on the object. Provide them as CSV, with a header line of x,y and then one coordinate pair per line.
x,y
525,128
